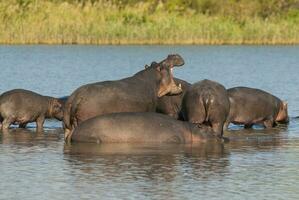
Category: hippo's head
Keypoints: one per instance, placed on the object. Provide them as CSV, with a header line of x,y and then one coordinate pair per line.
x,y
56,109
283,113
166,83
173,60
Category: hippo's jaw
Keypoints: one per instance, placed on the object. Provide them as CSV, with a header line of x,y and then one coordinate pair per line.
x,y
172,90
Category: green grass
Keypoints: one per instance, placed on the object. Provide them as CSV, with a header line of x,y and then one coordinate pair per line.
x,y
103,22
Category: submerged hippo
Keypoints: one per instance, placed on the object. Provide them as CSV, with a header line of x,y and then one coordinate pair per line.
x,y
22,106
171,104
139,128
138,93
250,106
206,102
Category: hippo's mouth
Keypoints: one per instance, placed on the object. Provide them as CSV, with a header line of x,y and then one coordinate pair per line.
x,y
173,91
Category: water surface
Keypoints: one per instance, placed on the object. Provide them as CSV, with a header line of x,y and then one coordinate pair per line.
x,y
255,164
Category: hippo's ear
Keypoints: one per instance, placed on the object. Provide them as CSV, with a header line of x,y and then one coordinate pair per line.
x,y
173,60
153,64
285,103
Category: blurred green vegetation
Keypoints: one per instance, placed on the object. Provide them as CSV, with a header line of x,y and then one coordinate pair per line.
x,y
149,22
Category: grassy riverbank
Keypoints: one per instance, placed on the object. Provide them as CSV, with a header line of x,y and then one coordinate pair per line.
x,y
106,22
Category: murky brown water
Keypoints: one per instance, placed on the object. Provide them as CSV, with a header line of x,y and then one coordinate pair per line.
x,y
255,164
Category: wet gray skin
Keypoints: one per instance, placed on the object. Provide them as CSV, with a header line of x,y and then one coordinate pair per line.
x,y
249,106
206,102
138,93
144,127
22,106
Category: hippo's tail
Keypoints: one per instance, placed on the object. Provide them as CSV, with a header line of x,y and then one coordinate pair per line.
x,y
207,103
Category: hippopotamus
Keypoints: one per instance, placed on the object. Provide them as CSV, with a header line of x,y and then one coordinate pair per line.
x,y
171,104
206,102
144,127
251,106
22,106
138,93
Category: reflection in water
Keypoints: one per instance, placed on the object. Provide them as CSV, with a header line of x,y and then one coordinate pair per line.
x,y
153,161
146,170
29,137
147,165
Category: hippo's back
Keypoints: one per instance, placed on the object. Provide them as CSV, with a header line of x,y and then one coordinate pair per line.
x,y
131,128
21,97
207,85
252,95
19,92
21,102
250,104
107,97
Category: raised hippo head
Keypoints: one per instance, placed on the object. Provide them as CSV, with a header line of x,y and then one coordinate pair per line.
x,y
173,60
166,83
282,115
56,109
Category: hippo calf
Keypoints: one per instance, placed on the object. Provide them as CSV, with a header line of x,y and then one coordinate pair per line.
x,y
22,106
251,106
144,127
206,102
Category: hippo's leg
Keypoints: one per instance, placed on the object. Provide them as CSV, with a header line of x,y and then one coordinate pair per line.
x,y
68,134
269,123
22,125
1,120
6,123
39,123
226,124
218,129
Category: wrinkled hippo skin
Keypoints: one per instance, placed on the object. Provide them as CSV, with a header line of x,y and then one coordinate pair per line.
x,y
22,106
171,104
249,106
145,127
138,93
206,102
